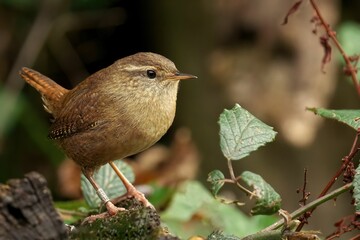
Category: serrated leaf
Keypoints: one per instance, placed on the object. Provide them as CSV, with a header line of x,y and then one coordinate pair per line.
x,y
241,133
108,181
216,178
356,191
268,201
349,117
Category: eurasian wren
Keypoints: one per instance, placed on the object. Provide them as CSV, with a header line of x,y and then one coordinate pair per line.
x,y
114,113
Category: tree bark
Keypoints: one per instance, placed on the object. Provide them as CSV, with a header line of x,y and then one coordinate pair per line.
x,y
27,211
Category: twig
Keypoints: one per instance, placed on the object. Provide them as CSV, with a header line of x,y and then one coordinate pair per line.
x,y
305,195
344,225
349,67
356,237
346,160
236,179
311,205
231,170
247,191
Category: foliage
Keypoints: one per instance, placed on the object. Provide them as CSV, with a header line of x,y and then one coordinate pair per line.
x,y
352,119
349,36
193,211
216,178
267,200
72,211
356,193
348,117
242,133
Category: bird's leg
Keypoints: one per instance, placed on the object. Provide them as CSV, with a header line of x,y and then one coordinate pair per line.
x,y
111,208
131,190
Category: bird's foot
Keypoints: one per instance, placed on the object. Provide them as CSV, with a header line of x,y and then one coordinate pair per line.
x,y
133,192
111,211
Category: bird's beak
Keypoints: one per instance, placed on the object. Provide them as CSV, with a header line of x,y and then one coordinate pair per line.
x,y
181,76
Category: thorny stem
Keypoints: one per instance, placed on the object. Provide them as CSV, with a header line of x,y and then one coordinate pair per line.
x,y
343,227
244,189
304,193
332,35
347,159
305,196
310,206
354,149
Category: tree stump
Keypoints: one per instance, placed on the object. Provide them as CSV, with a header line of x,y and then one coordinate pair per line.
x,y
137,222
27,211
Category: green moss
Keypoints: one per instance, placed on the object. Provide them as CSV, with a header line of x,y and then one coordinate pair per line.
x,y
136,223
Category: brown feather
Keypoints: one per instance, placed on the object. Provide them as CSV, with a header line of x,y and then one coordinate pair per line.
x,y
51,92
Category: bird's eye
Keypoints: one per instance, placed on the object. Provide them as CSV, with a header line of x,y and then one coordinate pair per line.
x,y
151,74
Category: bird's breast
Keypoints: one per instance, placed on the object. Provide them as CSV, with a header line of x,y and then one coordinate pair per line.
x,y
153,121
150,113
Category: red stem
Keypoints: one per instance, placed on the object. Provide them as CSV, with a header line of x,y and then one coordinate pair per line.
x,y
354,149
332,35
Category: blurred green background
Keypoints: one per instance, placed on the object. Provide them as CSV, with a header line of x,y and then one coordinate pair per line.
x,y
238,49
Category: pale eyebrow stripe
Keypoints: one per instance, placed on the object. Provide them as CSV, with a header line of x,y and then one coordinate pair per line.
x,y
133,68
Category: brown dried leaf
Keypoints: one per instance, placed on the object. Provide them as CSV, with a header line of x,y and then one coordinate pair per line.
x,y
315,20
324,41
292,10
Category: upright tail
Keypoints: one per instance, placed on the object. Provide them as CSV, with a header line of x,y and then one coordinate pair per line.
x,y
51,92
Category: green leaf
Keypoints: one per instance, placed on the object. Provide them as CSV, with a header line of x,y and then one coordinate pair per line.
x,y
108,181
72,211
242,133
267,200
193,210
186,202
356,191
160,195
216,178
71,205
349,117
349,35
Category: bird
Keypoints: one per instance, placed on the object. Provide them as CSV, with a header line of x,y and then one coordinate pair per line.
x,y
114,113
